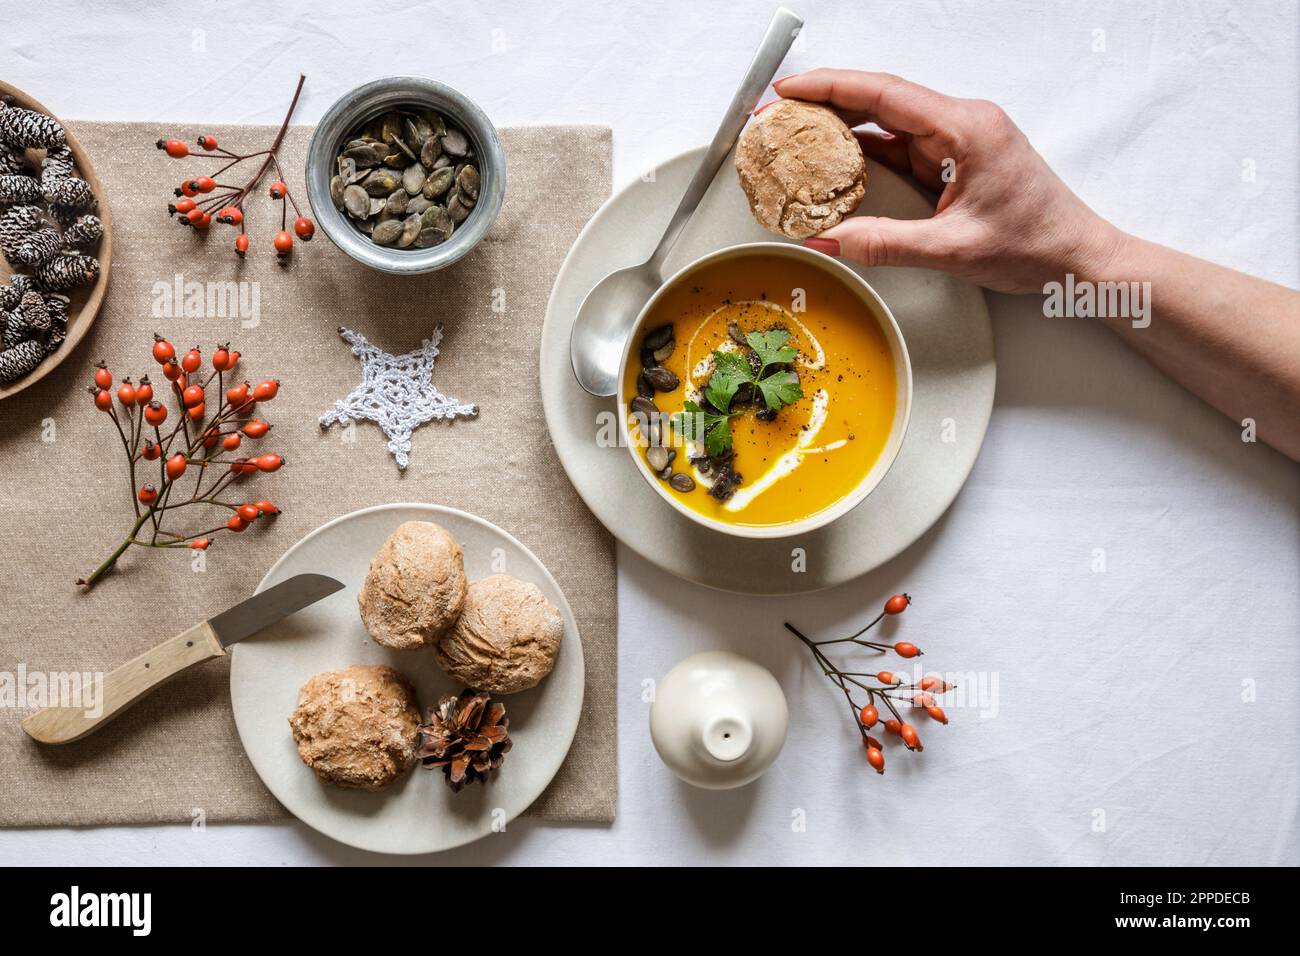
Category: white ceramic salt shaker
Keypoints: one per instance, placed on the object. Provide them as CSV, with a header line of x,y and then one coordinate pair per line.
x,y
718,720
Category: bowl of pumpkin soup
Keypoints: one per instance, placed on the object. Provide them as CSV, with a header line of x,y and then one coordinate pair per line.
x,y
765,390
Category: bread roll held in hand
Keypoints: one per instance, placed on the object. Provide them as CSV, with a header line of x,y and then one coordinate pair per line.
x,y
801,168
415,588
506,639
357,727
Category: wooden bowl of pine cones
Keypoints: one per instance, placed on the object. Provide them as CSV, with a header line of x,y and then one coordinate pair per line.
x,y
56,242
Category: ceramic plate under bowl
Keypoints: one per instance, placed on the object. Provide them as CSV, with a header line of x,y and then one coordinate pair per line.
x,y
418,813
944,320
85,300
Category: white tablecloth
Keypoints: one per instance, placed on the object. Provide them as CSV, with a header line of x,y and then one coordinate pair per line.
x,y
1121,570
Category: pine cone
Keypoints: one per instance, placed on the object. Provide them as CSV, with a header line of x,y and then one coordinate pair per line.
x,y
11,160
57,305
22,282
29,129
85,231
66,216
39,246
467,736
66,191
64,272
35,311
58,184
21,359
10,296
15,224
17,187
16,328
58,309
58,162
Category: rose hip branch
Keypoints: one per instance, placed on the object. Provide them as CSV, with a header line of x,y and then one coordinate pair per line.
x,y
188,446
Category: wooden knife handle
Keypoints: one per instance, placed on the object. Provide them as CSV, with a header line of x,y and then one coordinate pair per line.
x,y
124,686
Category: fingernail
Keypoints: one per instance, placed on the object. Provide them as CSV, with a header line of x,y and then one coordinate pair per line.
x,y
764,106
783,78
830,247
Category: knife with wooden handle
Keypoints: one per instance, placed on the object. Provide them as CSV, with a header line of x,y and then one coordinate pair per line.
x,y
204,641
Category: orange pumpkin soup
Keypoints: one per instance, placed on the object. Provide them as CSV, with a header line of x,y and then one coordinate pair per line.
x,y
777,383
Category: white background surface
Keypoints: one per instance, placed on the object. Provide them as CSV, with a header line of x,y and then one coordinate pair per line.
x,y
1120,734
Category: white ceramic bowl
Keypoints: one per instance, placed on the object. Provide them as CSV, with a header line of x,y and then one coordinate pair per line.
x,y
874,308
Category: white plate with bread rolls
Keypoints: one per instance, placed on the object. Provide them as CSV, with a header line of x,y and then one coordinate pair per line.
x,y
426,704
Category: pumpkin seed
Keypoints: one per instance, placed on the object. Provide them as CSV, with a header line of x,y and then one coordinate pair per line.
x,y
437,183
418,129
454,142
657,337
336,192
410,229
428,238
398,202
364,155
435,217
382,181
661,379
387,233
643,406
430,151
682,482
662,353
413,178
411,140
467,182
458,211
405,153
356,202
656,457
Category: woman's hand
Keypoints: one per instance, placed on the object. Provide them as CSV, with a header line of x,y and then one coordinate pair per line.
x,y
1004,219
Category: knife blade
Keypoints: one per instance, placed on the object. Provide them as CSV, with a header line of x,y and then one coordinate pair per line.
x,y
117,690
266,607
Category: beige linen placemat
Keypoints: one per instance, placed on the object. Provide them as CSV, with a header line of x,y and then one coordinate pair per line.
x,y
63,484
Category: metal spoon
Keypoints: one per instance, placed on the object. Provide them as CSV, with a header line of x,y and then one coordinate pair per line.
x,y
606,315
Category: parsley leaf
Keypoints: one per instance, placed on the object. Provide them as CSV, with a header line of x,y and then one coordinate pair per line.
x,y
689,423
695,423
772,348
731,370
718,439
779,389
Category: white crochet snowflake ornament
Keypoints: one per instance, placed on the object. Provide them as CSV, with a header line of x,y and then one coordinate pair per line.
x,y
396,393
